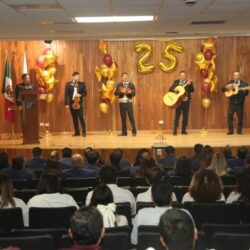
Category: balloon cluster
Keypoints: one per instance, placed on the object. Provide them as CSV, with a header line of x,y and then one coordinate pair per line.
x,y
105,74
45,72
206,62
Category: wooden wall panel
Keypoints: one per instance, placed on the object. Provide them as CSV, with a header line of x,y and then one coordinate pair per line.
x,y
233,53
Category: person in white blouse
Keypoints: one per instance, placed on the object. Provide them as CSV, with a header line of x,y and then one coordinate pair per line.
x,y
8,201
206,186
161,195
108,175
102,198
241,191
50,193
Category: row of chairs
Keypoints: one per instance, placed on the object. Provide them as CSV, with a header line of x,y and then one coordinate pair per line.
x,y
122,181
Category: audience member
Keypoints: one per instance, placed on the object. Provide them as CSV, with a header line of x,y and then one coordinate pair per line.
x,y
177,230
92,161
137,170
3,160
182,167
170,160
196,158
207,154
108,175
205,187
7,199
123,162
219,164
54,155
86,229
115,160
77,169
137,161
241,192
102,198
85,152
227,151
65,162
17,171
37,162
52,167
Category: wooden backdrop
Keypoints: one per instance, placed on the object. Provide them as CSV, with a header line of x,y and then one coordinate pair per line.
x,y
233,53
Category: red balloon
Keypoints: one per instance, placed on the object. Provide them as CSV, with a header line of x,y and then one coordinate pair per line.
x,y
104,79
204,73
47,51
208,55
39,61
41,90
205,88
107,59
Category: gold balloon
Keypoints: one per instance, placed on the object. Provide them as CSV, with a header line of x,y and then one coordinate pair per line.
x,y
110,84
104,107
141,65
166,54
49,97
209,44
49,59
104,70
50,83
52,69
39,78
199,58
102,47
206,102
98,73
112,70
45,75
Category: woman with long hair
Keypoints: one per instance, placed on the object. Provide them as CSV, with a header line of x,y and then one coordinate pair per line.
x,y
219,164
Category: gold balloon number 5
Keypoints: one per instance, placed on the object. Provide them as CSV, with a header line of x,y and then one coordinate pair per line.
x,y
170,46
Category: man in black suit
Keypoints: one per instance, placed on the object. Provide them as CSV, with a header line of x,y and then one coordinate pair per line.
x,y
126,91
76,89
184,106
24,85
236,103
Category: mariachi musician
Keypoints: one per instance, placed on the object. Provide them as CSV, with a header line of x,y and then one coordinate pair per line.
x,y
74,93
236,103
126,91
184,106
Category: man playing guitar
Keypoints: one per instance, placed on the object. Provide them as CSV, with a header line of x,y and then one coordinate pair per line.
x,y
184,106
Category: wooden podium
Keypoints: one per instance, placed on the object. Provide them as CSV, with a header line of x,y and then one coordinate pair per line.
x,y
30,116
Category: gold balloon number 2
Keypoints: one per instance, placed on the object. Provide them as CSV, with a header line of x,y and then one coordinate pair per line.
x,y
147,48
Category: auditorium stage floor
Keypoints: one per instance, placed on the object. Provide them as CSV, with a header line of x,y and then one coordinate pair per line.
x,y
104,140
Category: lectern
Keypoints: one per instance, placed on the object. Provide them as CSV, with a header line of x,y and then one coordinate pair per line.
x,y
30,116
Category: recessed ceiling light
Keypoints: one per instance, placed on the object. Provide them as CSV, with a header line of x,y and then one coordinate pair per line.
x,y
113,19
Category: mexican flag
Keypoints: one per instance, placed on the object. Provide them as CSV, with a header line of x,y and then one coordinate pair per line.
x,y
7,90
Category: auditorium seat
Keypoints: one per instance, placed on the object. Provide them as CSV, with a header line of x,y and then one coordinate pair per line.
x,y
180,191
228,180
50,217
124,208
246,218
79,194
20,184
218,213
140,205
139,190
11,218
124,182
227,189
140,182
180,181
226,241
80,182
25,194
29,243
33,184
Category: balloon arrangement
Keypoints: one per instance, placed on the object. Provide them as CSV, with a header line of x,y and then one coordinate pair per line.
x,y
105,74
45,72
206,63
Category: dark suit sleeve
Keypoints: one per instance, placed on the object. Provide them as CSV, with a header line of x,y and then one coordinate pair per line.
x,y
84,90
172,87
190,87
66,99
132,87
224,88
246,92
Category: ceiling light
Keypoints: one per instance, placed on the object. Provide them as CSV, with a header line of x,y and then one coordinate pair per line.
x,y
113,19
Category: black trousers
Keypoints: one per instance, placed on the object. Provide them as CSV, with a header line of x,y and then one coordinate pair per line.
x,y
239,110
127,108
78,114
184,109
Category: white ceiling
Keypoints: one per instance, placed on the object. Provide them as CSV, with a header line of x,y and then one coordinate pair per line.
x,y
54,19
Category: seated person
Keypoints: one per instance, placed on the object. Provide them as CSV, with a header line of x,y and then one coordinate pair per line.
x,y
86,229
182,168
102,198
170,159
195,159
3,160
37,162
219,165
115,160
92,161
65,162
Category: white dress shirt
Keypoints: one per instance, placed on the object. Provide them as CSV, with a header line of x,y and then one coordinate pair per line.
x,y
52,200
147,196
188,198
233,196
120,195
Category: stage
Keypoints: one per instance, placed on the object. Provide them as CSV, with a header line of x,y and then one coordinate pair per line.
x,y
105,142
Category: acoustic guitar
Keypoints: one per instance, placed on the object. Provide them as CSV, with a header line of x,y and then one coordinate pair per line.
x,y
235,90
174,99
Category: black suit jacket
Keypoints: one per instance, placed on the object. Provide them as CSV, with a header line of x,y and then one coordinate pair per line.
x,y
189,88
121,95
240,97
69,91
18,90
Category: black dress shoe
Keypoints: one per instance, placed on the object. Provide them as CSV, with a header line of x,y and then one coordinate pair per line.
x,y
122,134
133,134
174,132
83,134
230,133
184,132
76,134
239,133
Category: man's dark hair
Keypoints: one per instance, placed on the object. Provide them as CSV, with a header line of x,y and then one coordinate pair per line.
x,y
75,73
49,183
3,159
86,151
153,175
124,73
177,229
227,151
183,166
198,148
170,150
102,195
162,193
115,158
119,150
24,75
242,152
108,175
18,162
92,157
66,152
183,71
37,152
86,226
